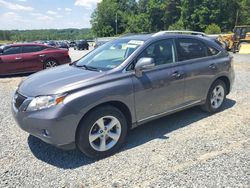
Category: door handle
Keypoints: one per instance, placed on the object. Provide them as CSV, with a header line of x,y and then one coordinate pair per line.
x,y
212,66
18,58
177,75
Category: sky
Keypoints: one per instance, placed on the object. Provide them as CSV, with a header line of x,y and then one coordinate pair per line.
x,y
46,14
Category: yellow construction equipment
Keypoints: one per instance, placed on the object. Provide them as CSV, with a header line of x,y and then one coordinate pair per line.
x,y
239,40
245,49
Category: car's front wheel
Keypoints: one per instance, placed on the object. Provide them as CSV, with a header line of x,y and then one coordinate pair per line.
x,y
216,97
102,132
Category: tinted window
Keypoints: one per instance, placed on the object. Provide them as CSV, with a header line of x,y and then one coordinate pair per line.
x,y
12,50
29,49
162,52
190,49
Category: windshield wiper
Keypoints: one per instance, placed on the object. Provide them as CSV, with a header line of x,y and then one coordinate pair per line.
x,y
87,67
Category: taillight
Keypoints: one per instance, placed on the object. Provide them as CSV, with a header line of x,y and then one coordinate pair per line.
x,y
66,53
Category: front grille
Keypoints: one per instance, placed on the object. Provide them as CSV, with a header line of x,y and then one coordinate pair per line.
x,y
19,99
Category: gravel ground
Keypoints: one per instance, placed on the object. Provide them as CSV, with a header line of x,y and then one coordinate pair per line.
x,y
187,149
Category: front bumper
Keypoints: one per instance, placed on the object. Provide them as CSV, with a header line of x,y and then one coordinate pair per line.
x,y
47,125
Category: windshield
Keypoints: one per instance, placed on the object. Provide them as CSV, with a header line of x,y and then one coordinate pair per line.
x,y
109,55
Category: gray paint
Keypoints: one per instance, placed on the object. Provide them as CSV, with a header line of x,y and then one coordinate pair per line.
x,y
156,93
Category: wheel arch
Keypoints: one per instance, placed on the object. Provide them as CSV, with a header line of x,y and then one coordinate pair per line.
x,y
226,80
117,104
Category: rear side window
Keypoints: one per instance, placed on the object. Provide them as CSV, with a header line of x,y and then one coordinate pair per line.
x,y
190,49
30,49
12,50
212,51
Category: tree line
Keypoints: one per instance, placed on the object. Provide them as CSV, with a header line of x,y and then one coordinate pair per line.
x,y
45,34
114,17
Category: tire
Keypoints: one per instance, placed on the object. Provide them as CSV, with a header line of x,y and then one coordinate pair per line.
x,y
214,102
90,138
50,63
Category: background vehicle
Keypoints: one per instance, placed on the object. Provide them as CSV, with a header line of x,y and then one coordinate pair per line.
x,y
25,58
72,44
236,40
81,45
61,44
120,85
51,43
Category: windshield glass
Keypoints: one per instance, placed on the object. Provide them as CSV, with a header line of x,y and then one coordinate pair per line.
x,y
110,55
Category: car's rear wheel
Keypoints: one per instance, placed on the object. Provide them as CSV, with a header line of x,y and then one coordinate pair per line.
x,y
102,132
50,64
216,97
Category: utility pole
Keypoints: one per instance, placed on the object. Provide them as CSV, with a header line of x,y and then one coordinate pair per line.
x,y
237,17
116,23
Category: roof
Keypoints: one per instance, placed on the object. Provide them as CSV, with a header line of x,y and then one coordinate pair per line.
x,y
143,37
170,34
25,44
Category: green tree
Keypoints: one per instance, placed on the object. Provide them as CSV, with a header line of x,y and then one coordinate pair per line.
x,y
213,29
138,23
196,14
244,12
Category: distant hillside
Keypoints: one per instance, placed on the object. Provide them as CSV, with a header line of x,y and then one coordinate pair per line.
x,y
45,34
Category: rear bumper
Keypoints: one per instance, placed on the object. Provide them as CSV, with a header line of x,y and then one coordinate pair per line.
x,y
65,60
232,79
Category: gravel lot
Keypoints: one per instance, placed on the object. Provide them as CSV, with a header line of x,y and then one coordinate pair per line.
x,y
187,149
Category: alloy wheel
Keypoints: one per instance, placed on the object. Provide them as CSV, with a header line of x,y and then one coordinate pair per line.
x,y
105,133
50,64
217,97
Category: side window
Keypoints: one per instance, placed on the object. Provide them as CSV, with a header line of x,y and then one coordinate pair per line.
x,y
162,52
212,51
30,49
12,50
190,49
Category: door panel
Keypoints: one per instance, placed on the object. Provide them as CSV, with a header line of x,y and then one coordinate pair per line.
x,y
158,91
200,67
161,88
198,79
32,58
10,60
9,64
31,62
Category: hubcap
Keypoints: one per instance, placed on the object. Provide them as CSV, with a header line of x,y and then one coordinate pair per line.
x,y
217,96
50,64
105,133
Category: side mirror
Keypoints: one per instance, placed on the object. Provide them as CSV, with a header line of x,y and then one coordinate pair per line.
x,y
144,63
1,51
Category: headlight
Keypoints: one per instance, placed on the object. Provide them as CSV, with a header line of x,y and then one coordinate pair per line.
x,y
43,102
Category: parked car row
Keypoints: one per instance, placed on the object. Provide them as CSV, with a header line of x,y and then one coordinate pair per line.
x,y
30,57
77,45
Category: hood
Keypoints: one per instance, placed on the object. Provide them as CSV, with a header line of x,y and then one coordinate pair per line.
x,y
57,80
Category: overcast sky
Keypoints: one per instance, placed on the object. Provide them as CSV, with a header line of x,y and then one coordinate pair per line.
x,y
46,14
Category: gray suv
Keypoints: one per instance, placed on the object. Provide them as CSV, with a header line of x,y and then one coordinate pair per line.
x,y
92,103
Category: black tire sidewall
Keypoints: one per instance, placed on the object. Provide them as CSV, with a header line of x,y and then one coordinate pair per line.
x,y
82,134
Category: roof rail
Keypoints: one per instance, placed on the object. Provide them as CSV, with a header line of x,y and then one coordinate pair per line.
x,y
178,32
